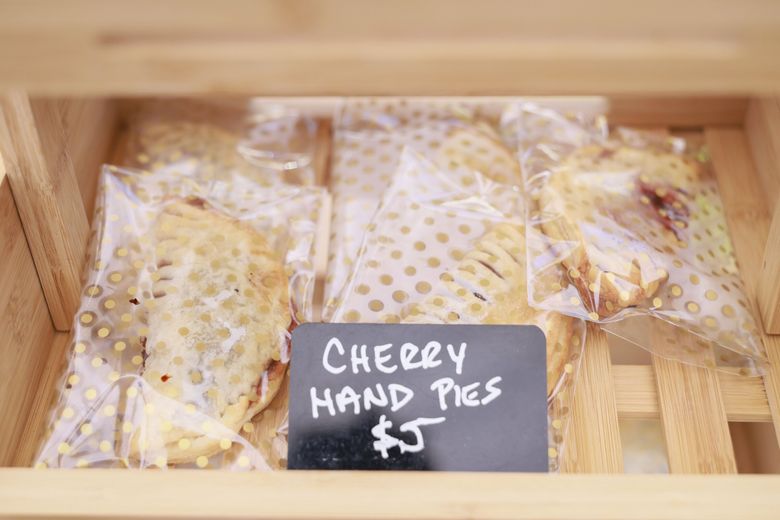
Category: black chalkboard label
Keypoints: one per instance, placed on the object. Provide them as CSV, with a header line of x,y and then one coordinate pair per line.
x,y
418,397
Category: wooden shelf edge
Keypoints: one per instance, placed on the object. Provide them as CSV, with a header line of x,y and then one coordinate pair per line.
x,y
397,495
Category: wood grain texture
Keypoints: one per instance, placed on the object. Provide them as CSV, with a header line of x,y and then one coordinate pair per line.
x,y
768,290
693,413
693,418
45,395
636,394
748,219
762,126
382,494
348,47
90,126
47,195
302,495
594,438
26,329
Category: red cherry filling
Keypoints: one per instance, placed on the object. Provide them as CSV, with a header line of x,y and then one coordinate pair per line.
x,y
667,204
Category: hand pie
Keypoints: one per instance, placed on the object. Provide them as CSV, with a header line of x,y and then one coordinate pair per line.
x,y
608,211
217,322
489,286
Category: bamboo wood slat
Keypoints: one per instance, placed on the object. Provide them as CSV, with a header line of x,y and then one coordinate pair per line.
x,y
748,220
694,405
405,47
762,125
89,126
47,195
693,417
594,437
636,394
382,495
40,407
26,330
768,291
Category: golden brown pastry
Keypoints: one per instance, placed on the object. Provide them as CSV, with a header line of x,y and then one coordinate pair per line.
x,y
479,148
489,286
595,201
217,321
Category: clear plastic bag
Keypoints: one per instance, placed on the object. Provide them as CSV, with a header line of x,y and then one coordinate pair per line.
x,y
367,142
448,247
182,336
282,140
208,140
626,229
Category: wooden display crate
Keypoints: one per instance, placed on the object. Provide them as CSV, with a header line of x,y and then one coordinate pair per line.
x,y
52,147
52,150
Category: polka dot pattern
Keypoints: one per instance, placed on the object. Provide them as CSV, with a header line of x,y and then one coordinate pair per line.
x,y
104,412
426,222
394,268
265,142
639,215
369,138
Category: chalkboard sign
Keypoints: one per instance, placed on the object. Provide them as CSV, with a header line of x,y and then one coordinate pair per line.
x,y
418,397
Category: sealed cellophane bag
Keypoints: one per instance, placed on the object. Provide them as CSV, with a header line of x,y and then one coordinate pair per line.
x,y
448,246
208,139
626,228
181,343
368,137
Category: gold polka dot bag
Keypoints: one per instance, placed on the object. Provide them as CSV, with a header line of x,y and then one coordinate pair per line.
x,y
369,136
447,246
180,347
625,228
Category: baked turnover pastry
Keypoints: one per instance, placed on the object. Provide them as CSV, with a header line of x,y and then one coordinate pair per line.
x,y
627,229
217,322
368,145
587,208
489,286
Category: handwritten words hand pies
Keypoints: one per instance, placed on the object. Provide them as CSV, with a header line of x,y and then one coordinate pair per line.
x,y
218,324
489,286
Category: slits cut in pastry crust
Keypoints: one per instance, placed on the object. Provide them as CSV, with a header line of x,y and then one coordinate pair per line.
x,y
489,286
217,322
